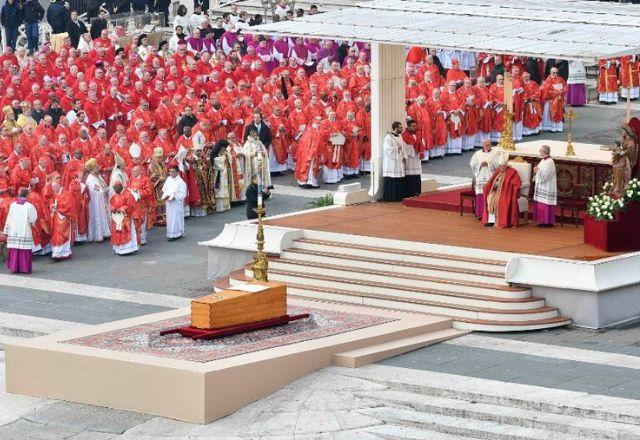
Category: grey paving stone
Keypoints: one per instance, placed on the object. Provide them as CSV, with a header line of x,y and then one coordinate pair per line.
x,y
92,435
80,417
68,307
523,369
26,430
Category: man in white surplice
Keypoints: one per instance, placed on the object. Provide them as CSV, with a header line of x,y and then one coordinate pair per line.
x,y
98,226
545,195
394,160
483,163
174,192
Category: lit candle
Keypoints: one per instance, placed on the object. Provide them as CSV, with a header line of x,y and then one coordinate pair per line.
x,y
508,91
259,163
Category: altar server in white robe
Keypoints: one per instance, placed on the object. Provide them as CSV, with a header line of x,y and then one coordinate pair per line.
x,y
483,163
545,194
98,226
174,192
393,165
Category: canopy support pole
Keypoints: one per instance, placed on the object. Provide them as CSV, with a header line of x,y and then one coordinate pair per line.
x,y
387,103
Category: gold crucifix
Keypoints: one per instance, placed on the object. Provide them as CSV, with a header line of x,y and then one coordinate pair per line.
x,y
570,115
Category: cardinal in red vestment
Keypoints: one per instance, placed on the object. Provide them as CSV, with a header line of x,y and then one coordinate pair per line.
x,y
501,197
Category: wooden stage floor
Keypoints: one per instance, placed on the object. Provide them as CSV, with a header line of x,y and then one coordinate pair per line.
x,y
394,221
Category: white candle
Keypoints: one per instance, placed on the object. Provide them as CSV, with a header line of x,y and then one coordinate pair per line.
x,y
259,163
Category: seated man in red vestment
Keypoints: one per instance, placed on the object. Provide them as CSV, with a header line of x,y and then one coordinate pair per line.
x,y
501,197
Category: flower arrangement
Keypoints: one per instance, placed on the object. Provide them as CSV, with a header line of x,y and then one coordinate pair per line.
x,y
604,206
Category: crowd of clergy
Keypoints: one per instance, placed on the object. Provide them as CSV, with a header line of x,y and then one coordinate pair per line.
x,y
618,78
109,141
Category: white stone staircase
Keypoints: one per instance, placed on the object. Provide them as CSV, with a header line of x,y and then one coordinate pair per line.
x,y
437,406
469,289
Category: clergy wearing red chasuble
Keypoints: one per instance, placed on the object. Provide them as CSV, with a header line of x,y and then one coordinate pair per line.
x,y
608,81
334,156
419,112
629,79
501,197
42,228
63,217
497,98
279,141
456,74
532,112
309,155
363,118
111,110
471,103
352,146
553,94
437,110
123,211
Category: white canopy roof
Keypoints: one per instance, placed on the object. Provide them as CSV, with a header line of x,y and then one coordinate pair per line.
x,y
565,29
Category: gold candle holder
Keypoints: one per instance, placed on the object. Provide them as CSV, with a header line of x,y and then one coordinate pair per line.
x,y
260,261
570,115
506,138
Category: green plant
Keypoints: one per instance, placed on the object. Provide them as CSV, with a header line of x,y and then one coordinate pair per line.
x,y
322,201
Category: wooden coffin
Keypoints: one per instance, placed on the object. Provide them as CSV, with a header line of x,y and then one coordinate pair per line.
x,y
234,307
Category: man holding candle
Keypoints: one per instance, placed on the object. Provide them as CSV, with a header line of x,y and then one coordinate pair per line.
x,y
256,196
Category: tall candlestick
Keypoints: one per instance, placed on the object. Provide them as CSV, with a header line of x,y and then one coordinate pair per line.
x,y
508,92
259,163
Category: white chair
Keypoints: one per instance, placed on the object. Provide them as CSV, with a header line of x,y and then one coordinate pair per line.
x,y
525,172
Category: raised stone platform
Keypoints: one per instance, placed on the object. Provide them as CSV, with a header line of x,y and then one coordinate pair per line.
x,y
127,365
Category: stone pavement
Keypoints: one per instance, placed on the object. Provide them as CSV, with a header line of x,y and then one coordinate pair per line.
x,y
97,286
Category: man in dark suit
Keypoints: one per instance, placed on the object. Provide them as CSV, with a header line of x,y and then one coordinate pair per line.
x,y
252,197
76,28
98,24
264,133
58,16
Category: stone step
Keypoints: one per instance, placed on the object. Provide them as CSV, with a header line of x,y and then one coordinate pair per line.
x,y
480,306
363,356
463,427
395,432
441,283
408,256
503,394
434,270
482,412
415,306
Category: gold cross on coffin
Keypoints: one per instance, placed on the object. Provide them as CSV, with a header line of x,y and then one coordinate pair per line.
x,y
570,115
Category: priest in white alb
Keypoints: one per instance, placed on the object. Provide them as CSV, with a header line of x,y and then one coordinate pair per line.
x,y
483,163
545,195
98,203
174,192
21,217
394,161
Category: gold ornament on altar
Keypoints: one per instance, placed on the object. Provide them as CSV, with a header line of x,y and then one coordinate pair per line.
x,y
506,138
260,261
570,115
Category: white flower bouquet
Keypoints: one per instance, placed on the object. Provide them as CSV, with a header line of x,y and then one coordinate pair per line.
x,y
604,206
